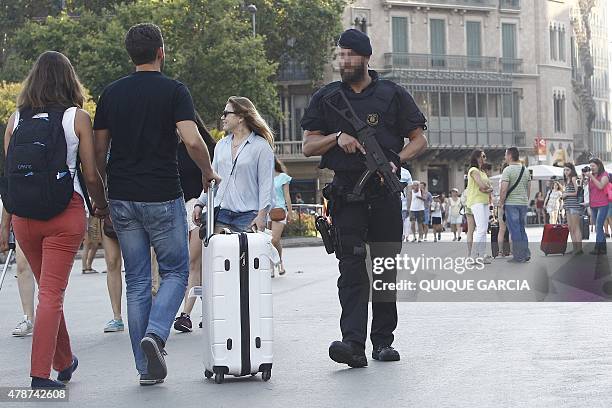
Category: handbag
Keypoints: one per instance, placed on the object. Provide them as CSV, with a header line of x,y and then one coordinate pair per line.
x,y
278,214
107,227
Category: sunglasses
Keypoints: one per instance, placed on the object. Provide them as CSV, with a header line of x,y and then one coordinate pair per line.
x,y
225,113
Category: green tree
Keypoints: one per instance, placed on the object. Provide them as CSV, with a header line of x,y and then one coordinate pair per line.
x,y
302,31
207,42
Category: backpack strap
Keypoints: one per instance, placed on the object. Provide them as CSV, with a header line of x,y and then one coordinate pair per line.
x,y
79,175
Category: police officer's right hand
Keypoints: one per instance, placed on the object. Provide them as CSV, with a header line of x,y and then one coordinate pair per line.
x,y
350,144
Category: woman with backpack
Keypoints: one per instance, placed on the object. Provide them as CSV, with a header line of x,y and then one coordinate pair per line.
x,y
45,203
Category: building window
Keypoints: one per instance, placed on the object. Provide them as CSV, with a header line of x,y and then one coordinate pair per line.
x,y
553,43
508,47
474,43
438,42
482,105
471,105
562,44
399,27
445,104
559,112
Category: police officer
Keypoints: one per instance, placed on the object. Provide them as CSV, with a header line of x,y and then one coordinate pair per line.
x,y
375,217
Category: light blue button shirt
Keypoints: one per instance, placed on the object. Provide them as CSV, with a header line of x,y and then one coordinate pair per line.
x,y
251,186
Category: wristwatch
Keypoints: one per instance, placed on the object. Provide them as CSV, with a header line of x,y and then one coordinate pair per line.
x,y
338,136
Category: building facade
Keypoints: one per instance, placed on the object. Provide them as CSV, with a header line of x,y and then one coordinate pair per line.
x,y
488,74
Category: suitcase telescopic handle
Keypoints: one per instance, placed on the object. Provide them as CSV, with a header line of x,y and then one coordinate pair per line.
x,y
210,210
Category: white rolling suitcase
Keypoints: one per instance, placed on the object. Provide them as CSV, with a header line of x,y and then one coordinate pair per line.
x,y
237,302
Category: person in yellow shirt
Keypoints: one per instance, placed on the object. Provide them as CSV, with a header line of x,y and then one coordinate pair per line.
x,y
478,190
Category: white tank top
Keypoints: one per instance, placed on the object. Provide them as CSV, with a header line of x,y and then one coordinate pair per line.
x,y
72,142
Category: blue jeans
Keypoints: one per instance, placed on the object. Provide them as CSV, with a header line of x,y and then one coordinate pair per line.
x,y
599,215
163,226
516,216
236,221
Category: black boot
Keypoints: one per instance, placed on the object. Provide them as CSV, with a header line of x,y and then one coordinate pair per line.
x,y
345,353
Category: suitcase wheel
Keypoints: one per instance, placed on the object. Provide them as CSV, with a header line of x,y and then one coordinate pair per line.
x,y
208,374
219,378
266,375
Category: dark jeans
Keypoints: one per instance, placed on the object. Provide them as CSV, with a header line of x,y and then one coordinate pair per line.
x,y
378,222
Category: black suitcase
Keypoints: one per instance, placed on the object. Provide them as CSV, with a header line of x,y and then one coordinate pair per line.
x,y
586,226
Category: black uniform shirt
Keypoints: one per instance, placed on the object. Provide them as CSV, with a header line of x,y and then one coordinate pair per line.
x,y
383,105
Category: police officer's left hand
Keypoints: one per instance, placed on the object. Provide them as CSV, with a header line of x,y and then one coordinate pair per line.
x,y
350,144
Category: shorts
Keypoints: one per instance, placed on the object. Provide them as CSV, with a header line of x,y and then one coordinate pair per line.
x,y
189,207
468,211
436,220
456,220
574,211
235,221
427,218
404,215
418,216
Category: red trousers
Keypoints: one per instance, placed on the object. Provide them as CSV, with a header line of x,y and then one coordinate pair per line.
x,y
50,247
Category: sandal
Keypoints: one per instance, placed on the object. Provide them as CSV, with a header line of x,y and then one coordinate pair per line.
x,y
89,271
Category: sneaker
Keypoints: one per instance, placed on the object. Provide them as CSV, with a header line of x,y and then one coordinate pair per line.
x,y
345,353
146,379
487,259
66,374
114,326
455,238
459,239
414,240
183,323
153,348
44,383
385,353
23,328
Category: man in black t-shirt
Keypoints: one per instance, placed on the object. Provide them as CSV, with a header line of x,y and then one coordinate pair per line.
x,y
375,216
138,116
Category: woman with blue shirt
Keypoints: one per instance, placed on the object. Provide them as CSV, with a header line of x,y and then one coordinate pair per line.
x,y
283,201
245,161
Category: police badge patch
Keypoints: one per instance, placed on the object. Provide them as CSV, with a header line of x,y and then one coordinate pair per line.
x,y
372,119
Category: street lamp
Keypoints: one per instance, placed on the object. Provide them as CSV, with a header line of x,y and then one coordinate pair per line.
x,y
253,10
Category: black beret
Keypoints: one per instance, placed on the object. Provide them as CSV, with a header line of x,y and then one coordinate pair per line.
x,y
356,41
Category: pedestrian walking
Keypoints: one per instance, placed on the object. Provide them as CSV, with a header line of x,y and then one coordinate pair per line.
x,y
391,111
137,116
50,107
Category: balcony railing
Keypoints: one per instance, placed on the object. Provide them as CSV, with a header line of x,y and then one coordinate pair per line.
x,y
457,4
293,71
452,62
288,149
513,5
511,65
461,138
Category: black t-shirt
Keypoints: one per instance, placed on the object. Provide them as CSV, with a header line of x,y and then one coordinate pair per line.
x,y
384,105
189,173
141,111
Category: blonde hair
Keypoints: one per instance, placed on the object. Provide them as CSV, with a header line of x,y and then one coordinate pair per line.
x,y
244,107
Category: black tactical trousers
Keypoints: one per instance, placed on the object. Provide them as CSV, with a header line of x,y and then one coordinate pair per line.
x,y
377,221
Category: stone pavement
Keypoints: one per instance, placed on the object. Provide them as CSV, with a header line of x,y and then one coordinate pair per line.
x,y
473,354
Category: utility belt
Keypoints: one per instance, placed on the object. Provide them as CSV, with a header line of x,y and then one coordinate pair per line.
x,y
340,193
